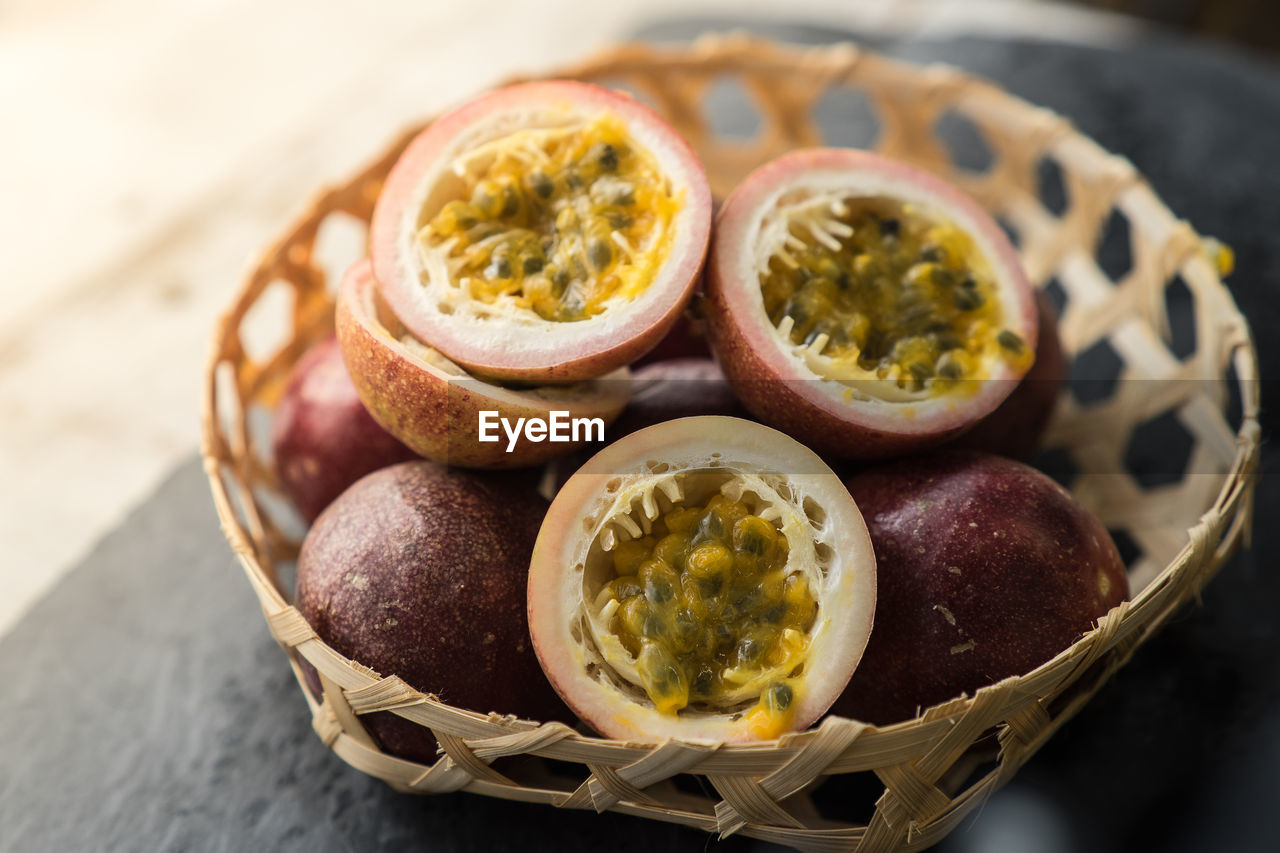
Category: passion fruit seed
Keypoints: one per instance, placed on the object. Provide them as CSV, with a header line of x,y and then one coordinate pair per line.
x,y
557,221
705,604
880,288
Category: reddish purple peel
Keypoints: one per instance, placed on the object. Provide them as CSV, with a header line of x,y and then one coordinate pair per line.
x,y
418,570
987,569
323,438
436,413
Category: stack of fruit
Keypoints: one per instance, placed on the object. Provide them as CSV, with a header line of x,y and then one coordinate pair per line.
x,y
707,573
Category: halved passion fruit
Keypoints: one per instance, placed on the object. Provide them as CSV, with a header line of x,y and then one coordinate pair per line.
x,y
864,306
705,577
547,232
434,406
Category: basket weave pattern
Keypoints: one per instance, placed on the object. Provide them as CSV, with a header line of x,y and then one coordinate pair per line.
x,y
1185,529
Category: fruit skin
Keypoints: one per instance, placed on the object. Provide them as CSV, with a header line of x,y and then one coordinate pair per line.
x,y
686,340
768,379
678,388
972,549
1014,429
418,570
661,391
580,512
545,354
437,412
322,437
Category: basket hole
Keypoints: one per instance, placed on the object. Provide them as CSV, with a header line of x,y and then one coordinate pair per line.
x,y
1059,464
1057,295
1051,186
340,242
1011,231
846,118
692,784
228,403
1130,551
1095,373
632,88
265,327
981,770
1180,308
1115,251
1159,451
968,148
731,111
848,798
1234,410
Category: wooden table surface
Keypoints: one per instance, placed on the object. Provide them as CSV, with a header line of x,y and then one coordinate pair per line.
x,y
150,148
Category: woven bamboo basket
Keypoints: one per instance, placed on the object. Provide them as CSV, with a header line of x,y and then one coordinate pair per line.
x,y
925,775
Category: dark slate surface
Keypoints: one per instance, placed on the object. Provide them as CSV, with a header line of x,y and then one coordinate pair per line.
x,y
145,707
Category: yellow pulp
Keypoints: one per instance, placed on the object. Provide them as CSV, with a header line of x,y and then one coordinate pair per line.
x,y
558,221
707,608
883,290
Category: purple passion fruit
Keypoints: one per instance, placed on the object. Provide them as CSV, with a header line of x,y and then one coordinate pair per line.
x,y
547,232
987,569
419,570
322,437
706,577
434,406
686,340
679,388
863,306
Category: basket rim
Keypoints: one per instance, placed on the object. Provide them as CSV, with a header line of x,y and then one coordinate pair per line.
x,y
1211,540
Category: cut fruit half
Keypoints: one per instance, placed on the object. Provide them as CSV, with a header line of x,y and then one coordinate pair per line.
x,y
434,406
864,306
547,232
705,577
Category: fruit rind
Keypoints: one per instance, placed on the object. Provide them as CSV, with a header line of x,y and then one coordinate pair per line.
x,y
433,406
518,345
988,568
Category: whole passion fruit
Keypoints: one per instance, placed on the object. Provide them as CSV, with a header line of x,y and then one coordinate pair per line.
x,y
987,569
418,570
322,437
706,577
547,232
440,411
863,306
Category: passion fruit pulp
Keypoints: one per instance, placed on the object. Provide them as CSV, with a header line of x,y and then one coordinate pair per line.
x,y
705,577
546,232
418,570
864,306
434,406
987,569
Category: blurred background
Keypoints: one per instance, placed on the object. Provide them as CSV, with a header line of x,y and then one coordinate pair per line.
x,y
151,149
